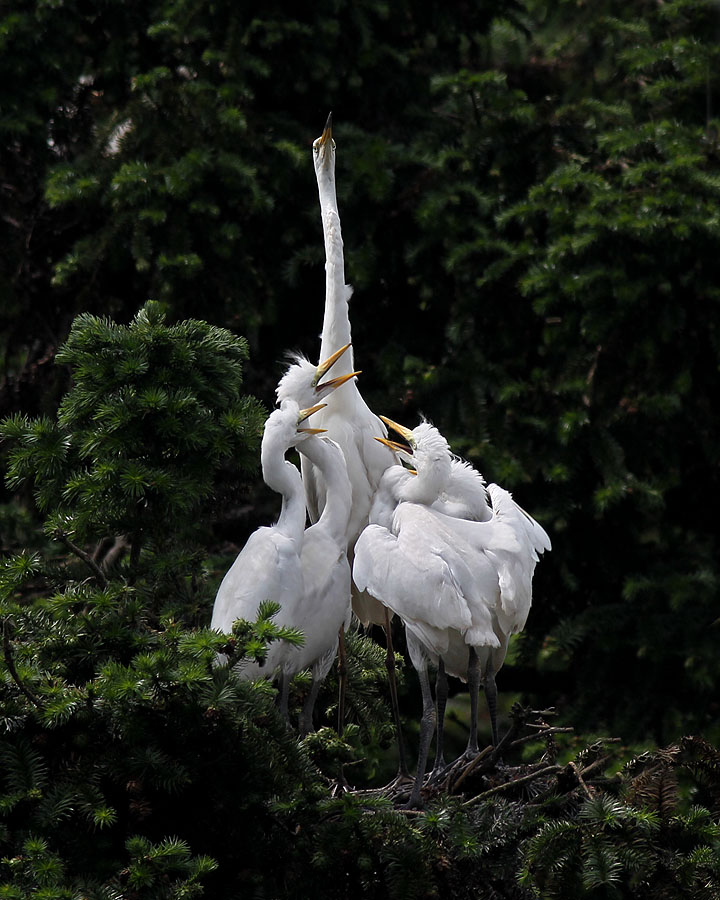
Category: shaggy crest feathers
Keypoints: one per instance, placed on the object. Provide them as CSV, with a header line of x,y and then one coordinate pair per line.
x,y
297,383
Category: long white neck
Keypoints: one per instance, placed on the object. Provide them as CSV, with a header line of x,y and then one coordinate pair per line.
x,y
283,477
428,484
336,322
329,459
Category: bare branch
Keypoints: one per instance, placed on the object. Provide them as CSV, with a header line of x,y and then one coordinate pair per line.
x,y
85,557
548,770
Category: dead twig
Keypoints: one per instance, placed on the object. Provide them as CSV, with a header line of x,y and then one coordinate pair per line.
x,y
468,769
541,734
85,557
531,776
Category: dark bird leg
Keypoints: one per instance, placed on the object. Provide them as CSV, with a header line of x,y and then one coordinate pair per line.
x,y
473,680
284,696
491,697
441,696
403,773
342,680
427,727
305,725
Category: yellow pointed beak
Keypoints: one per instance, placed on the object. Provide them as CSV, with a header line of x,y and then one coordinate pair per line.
x,y
393,445
312,430
335,383
323,368
325,143
327,131
401,430
306,413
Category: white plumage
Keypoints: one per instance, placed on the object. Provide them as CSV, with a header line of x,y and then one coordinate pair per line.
x,y
461,586
305,570
346,417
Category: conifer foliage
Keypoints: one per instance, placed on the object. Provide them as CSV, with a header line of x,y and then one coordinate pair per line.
x,y
152,412
133,765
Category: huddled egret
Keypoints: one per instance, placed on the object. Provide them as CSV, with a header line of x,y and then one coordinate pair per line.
x,y
306,571
346,417
461,586
303,384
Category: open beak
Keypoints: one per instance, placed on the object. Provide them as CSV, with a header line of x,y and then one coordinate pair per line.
x,y
393,445
328,364
406,457
335,383
401,430
324,367
306,413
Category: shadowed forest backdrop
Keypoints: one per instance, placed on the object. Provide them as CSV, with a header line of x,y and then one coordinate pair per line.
x,y
530,198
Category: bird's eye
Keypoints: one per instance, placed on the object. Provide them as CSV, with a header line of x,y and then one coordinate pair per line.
x,y
333,145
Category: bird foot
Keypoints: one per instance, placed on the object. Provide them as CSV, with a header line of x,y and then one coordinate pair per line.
x,y
439,770
340,785
399,782
415,802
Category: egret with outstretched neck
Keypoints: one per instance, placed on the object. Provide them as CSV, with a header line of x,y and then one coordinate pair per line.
x,y
347,418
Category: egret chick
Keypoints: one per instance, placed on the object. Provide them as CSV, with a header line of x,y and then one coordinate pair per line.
x,y
461,587
305,571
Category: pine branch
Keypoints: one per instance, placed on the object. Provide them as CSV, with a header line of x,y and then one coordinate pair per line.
x,y
10,664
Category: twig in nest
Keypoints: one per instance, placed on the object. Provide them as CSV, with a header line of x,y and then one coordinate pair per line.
x,y
469,769
548,770
579,776
598,762
541,734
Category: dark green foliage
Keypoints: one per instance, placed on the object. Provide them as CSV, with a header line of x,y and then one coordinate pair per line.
x,y
568,224
135,763
152,413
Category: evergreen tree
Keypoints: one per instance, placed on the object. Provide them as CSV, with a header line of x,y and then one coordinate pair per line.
x,y
133,765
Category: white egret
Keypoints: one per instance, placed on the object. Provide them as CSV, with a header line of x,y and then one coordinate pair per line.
x,y
303,385
325,611
305,571
346,417
461,587
465,494
268,567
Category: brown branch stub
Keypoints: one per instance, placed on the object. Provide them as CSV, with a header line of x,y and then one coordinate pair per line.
x,y
85,557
